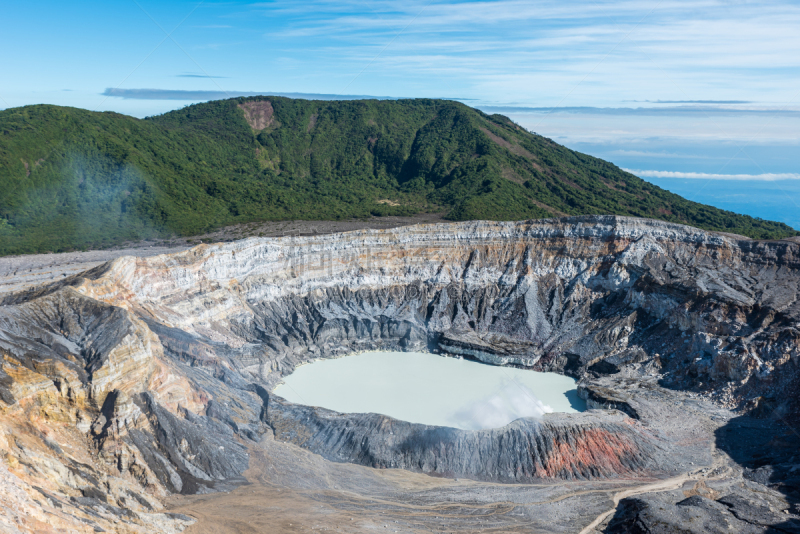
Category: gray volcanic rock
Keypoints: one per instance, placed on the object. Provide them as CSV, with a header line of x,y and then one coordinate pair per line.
x,y
731,513
200,449
575,446
695,514
493,347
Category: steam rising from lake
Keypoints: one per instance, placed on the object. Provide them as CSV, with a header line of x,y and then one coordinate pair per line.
x,y
430,389
513,400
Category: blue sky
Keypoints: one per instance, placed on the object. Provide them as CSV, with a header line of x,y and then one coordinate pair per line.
x,y
510,52
697,88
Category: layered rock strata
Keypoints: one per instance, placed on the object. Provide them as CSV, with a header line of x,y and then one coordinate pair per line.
x,y
157,370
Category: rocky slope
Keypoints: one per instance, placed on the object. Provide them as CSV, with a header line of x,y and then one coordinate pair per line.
x,y
151,376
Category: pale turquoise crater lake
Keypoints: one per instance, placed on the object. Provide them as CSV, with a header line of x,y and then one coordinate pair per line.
x,y
430,389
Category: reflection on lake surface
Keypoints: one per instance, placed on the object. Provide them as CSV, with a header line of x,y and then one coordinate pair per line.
x,y
430,389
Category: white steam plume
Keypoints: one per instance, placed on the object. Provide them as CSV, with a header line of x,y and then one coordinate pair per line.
x,y
512,401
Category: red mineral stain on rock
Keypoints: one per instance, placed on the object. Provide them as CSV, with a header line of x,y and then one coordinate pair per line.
x,y
594,451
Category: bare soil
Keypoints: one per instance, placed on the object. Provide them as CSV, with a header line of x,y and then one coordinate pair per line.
x,y
291,490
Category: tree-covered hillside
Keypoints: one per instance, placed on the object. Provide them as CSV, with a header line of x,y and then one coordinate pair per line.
x,y
72,179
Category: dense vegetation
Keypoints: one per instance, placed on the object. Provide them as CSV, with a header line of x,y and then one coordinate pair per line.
x,y
74,179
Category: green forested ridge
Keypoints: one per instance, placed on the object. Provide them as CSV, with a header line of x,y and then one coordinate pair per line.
x,y
74,179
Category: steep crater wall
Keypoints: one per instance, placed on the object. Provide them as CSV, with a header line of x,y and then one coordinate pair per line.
x,y
560,295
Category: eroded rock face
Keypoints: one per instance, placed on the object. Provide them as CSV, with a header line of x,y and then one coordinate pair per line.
x,y
576,447
602,288
137,363
729,513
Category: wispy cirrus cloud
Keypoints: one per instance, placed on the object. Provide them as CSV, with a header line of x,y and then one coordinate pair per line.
x,y
672,52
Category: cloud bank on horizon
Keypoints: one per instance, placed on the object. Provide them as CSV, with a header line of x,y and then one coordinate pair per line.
x,y
768,177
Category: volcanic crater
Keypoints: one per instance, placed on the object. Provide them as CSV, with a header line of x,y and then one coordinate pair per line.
x,y
150,377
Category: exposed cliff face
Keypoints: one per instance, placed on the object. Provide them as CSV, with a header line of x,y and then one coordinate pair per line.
x,y
159,368
526,293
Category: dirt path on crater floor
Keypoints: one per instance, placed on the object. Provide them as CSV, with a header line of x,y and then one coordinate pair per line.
x,y
291,490
672,483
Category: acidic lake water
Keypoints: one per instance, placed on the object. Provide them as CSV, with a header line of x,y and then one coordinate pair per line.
x,y
430,389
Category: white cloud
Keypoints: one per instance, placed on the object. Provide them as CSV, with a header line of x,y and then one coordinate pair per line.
x,y
769,177
513,401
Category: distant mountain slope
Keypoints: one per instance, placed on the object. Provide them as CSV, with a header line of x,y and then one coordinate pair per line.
x,y
71,178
